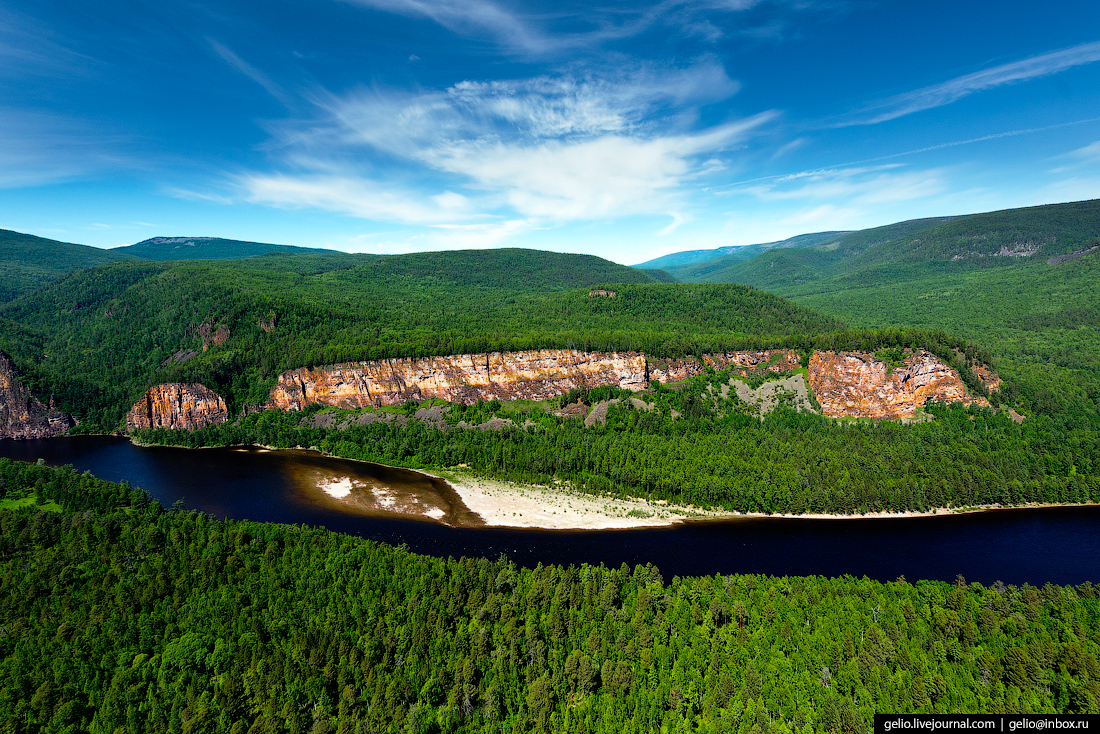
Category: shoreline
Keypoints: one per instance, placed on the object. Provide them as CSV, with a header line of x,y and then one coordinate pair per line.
x,y
504,504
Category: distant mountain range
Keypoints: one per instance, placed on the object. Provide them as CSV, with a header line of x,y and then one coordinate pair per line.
x,y
736,252
204,248
901,250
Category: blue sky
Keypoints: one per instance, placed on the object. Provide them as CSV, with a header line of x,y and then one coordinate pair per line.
x,y
623,130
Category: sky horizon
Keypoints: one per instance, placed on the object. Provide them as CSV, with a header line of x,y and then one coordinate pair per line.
x,y
625,131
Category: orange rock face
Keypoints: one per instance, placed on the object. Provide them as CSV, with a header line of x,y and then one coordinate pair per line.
x,y
22,415
177,406
857,385
846,384
991,379
466,378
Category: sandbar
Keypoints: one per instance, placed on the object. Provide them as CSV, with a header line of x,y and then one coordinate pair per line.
x,y
506,504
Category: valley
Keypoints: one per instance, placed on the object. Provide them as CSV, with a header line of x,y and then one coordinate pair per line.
x,y
574,419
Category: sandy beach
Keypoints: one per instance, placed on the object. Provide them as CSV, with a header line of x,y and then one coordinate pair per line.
x,y
504,504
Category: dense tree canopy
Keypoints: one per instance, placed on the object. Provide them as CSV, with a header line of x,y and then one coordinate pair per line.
x,y
116,615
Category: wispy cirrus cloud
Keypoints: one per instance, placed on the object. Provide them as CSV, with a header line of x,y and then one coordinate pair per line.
x,y
29,47
472,18
38,148
479,158
543,33
357,196
270,86
857,186
938,95
1084,156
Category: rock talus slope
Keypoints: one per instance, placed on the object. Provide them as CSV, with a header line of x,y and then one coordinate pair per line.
x,y
22,415
177,406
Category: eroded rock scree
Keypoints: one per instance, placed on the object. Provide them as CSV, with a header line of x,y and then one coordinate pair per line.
x,y
855,384
22,415
177,406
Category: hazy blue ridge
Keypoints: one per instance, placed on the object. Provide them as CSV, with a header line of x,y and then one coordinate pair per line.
x,y
689,257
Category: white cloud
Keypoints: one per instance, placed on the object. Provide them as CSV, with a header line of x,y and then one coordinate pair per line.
x,y
40,148
355,196
859,186
605,176
950,91
470,17
543,107
677,220
543,151
1086,156
251,72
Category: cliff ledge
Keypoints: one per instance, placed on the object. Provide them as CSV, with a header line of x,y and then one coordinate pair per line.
x,y
22,415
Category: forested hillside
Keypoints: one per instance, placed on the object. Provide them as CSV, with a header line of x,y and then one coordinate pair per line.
x,y
913,249
207,248
801,258
683,261
100,337
28,263
117,615
1008,280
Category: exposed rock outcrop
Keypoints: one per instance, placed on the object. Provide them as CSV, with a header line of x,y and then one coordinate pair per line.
x,y
22,415
743,363
213,334
177,406
740,363
466,378
675,370
846,384
855,384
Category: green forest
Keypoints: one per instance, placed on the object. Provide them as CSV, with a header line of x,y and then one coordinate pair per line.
x,y
119,616
98,338
699,448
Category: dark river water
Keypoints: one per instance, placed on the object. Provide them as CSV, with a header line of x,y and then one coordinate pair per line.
x,y
1057,545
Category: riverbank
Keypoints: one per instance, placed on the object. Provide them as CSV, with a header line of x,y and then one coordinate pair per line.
x,y
507,504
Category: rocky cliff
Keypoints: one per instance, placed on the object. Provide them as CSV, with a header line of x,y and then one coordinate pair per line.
x,y
22,415
856,384
846,384
466,378
178,406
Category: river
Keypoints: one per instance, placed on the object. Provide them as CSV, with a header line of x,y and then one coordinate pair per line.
x,y
1060,545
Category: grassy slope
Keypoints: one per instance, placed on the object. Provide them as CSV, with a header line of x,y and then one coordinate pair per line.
x,y
28,262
